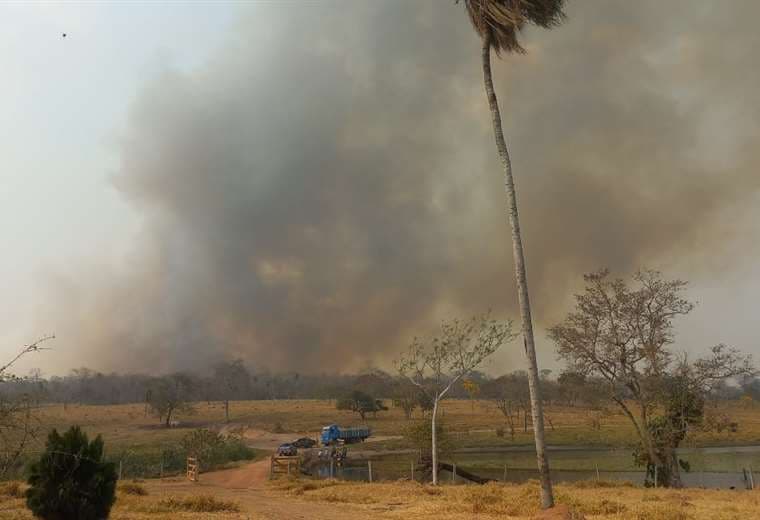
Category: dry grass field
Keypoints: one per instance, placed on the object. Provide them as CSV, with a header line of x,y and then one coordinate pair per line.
x,y
472,424
134,504
127,428
592,500
292,498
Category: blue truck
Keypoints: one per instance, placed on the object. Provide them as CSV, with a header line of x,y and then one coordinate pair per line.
x,y
333,434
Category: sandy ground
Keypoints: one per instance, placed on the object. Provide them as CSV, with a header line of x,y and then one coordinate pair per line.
x,y
247,486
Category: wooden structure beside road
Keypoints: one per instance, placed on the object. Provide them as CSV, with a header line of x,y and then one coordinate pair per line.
x,y
286,465
192,469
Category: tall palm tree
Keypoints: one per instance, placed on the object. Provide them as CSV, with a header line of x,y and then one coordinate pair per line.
x,y
498,22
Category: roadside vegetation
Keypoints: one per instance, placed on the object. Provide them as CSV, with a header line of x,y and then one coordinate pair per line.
x,y
139,453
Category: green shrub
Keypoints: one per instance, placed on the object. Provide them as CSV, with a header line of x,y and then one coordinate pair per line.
x,y
71,480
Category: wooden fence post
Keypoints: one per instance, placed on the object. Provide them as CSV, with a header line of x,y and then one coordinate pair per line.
x,y
193,469
453,473
369,467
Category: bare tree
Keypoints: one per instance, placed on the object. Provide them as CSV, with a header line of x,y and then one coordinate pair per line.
x,y
498,23
18,424
435,366
231,380
624,336
32,347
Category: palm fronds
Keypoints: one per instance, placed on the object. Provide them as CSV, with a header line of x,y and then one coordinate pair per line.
x,y
499,21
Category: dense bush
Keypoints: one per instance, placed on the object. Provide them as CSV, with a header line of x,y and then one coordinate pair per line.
x,y
71,480
213,449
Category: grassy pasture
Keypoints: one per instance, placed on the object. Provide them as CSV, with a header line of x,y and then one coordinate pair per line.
x,y
470,424
148,449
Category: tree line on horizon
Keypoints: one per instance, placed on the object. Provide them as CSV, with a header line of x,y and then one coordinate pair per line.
x,y
234,381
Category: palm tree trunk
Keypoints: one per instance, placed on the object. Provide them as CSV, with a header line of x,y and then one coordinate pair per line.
x,y
547,497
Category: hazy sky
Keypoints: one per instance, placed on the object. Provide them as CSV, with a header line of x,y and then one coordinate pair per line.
x,y
64,102
297,182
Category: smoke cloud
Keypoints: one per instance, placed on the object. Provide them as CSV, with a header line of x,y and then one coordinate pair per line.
x,y
327,185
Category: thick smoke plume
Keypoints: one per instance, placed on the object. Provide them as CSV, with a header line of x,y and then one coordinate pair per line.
x,y
327,186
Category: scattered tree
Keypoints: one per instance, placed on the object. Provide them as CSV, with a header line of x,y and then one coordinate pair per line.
x,y
624,336
498,23
232,380
571,386
511,396
169,395
407,397
435,366
360,403
71,480
473,390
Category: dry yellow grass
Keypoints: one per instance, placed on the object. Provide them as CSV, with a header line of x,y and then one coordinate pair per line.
x,y
132,488
12,489
135,506
128,426
607,501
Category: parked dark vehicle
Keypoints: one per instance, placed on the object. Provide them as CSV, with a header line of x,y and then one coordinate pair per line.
x,y
287,450
305,443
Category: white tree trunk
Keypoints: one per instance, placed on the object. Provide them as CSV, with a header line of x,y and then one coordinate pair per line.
x,y
434,447
547,497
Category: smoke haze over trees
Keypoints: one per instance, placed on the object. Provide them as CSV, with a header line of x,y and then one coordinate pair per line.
x,y
318,193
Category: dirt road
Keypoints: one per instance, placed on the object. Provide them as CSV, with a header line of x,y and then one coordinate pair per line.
x,y
247,486
262,439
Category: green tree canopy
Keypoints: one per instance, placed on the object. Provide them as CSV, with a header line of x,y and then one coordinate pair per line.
x,y
71,480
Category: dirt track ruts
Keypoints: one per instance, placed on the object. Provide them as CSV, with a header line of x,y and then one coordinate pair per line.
x,y
247,486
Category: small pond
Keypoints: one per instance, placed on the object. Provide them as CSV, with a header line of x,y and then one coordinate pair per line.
x,y
711,467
